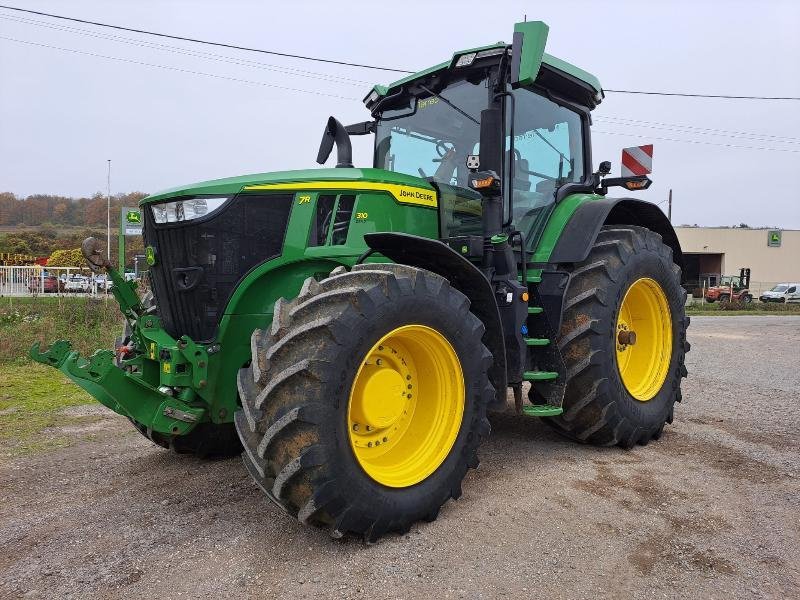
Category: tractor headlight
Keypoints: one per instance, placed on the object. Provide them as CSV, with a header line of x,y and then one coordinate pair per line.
x,y
186,209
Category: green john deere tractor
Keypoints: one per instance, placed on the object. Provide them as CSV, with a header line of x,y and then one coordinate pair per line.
x,y
350,328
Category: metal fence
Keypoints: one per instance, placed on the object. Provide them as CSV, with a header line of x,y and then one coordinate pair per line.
x,y
35,280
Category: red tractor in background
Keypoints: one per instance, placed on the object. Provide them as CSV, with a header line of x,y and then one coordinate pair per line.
x,y
732,287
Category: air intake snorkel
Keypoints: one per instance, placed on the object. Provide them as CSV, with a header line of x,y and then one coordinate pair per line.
x,y
336,132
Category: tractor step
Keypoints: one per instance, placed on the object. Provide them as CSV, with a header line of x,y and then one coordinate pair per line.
x,y
535,310
537,341
541,410
539,375
531,278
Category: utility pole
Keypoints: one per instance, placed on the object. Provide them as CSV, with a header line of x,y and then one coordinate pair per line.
x,y
108,212
669,206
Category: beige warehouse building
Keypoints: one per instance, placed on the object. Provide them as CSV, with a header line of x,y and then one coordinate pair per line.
x,y
772,255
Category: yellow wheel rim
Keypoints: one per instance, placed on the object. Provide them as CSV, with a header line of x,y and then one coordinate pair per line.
x,y
644,339
406,406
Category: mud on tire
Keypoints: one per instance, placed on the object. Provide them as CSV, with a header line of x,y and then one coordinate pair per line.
x,y
597,407
294,424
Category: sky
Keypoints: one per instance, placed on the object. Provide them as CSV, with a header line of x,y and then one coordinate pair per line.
x,y
168,114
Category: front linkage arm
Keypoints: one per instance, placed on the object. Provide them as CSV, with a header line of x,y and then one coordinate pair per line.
x,y
126,391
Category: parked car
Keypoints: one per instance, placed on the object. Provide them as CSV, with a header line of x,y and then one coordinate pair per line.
x,y
103,283
78,283
783,292
49,284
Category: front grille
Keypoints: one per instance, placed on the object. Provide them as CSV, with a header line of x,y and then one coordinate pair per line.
x,y
200,262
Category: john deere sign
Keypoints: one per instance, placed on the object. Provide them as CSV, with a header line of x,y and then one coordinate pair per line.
x,y
130,223
774,238
132,220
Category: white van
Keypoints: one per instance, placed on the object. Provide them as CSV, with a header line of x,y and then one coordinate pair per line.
x,y
783,292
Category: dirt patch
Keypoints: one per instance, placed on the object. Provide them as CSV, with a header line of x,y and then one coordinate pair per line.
x,y
666,552
732,462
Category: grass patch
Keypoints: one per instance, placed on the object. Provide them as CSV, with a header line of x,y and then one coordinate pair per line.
x,y
737,308
31,398
89,323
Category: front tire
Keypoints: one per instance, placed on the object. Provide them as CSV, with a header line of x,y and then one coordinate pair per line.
x,y
365,402
622,393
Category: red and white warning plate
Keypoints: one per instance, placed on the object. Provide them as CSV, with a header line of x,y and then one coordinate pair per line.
x,y
637,160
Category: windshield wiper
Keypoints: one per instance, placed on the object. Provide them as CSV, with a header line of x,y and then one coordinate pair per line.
x,y
450,104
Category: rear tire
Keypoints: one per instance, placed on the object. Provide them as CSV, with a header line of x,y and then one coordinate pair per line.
x,y
598,406
296,422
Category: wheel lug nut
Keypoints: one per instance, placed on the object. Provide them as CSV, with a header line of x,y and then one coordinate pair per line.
x,y
369,428
409,386
355,426
369,445
379,362
385,440
408,377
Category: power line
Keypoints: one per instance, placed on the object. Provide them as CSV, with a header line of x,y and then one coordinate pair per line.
x,y
261,83
687,95
693,129
359,65
696,142
206,42
193,53
189,71
611,119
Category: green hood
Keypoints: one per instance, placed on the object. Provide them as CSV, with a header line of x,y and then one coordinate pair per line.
x,y
233,185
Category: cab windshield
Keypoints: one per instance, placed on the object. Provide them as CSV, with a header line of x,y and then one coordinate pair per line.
x,y
780,288
433,134
431,138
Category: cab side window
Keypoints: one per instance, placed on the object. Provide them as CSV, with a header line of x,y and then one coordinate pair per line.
x,y
547,152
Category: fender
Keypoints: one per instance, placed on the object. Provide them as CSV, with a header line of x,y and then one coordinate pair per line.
x,y
439,258
581,230
579,235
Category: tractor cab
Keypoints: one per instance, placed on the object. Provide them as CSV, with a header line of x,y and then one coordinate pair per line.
x,y
506,109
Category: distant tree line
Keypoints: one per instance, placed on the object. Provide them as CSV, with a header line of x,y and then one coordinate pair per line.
x,y
41,225
43,209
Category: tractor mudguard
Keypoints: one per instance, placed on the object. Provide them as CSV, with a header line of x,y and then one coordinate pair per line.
x,y
439,258
581,230
578,238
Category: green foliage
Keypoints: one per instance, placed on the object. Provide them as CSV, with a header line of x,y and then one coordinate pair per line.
x,y
66,258
89,323
40,242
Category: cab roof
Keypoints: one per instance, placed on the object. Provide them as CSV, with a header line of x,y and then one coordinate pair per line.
x,y
553,72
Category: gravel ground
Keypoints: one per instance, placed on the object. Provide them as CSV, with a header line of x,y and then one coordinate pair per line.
x,y
710,511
